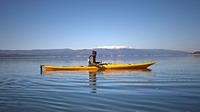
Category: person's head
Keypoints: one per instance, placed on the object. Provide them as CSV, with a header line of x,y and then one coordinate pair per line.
x,y
94,52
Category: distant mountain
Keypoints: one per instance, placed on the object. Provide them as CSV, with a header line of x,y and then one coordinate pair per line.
x,y
84,53
114,47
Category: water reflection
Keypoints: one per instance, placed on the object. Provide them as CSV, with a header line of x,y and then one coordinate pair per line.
x,y
108,74
93,81
107,71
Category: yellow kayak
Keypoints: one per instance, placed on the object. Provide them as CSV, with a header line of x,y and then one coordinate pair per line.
x,y
107,71
98,68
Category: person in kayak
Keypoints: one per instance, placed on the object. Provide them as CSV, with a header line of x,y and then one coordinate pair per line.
x,y
92,59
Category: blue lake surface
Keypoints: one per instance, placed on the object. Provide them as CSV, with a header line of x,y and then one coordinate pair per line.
x,y
173,85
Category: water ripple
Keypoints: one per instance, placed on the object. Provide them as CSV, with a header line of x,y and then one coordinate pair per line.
x,y
165,89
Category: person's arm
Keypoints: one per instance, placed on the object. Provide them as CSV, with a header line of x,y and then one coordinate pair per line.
x,y
95,61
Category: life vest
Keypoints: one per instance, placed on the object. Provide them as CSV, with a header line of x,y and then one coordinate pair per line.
x,y
91,60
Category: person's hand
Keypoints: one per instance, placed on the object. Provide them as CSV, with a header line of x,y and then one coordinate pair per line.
x,y
98,65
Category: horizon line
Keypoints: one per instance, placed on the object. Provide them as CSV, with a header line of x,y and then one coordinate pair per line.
x,y
93,49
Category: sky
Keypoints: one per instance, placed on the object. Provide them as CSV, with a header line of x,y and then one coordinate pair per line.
x,y
83,24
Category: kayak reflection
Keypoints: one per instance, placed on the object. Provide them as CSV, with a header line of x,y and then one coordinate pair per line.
x,y
93,75
107,71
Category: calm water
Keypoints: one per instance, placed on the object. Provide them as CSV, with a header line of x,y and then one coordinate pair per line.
x,y
173,85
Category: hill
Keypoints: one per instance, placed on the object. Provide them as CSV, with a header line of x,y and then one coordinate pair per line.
x,y
83,53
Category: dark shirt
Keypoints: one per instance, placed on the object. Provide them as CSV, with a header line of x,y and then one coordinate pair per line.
x,y
92,60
